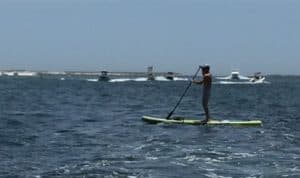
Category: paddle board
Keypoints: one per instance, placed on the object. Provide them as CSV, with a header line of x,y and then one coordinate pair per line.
x,y
155,120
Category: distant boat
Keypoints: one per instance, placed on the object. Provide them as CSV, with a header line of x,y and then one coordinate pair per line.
x,y
19,73
9,73
104,76
235,76
170,76
257,78
27,74
150,75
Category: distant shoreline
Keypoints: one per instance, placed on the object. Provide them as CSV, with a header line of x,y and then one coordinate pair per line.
x,y
127,74
79,73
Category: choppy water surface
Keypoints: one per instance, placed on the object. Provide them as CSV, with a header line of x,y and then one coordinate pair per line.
x,y
76,128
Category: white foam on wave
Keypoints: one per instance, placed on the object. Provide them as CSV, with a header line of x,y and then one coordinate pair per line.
x,y
151,158
191,158
161,78
178,163
140,79
92,80
240,83
180,79
217,153
244,155
295,169
213,175
120,80
211,160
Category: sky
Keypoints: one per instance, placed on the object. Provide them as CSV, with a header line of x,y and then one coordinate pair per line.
x,y
170,35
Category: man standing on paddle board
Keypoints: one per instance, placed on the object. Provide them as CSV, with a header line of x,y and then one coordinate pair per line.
x,y
206,82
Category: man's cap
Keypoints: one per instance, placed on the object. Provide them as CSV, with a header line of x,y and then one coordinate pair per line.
x,y
205,66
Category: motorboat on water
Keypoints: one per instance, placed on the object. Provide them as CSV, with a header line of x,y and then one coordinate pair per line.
x,y
234,76
10,73
27,74
18,73
170,75
150,75
103,77
257,78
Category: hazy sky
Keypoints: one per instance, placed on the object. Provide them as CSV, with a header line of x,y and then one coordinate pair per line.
x,y
171,35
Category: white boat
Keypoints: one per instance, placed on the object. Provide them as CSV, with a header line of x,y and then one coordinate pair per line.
x,y
104,76
257,78
10,73
150,75
234,76
27,74
170,75
19,73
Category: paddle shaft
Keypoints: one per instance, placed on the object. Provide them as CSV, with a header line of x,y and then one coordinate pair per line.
x,y
186,89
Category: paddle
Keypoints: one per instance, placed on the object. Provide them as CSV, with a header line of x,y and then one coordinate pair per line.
x,y
187,88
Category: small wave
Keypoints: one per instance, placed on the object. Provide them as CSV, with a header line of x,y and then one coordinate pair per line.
x,y
235,83
91,169
243,155
151,158
240,83
213,175
92,80
65,131
32,113
89,120
191,158
180,79
14,122
140,147
211,160
162,78
295,169
178,164
17,113
121,80
216,153
139,79
14,143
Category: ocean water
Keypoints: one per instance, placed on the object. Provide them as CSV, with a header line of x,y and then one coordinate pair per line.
x,y
77,128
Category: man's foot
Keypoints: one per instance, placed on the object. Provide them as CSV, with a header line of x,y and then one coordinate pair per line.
x,y
178,118
204,122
